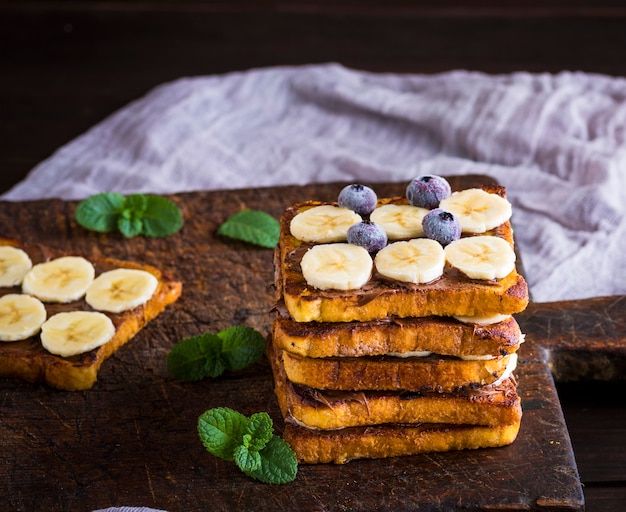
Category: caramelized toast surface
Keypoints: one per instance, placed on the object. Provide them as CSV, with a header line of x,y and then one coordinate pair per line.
x,y
28,360
430,373
391,440
324,409
450,295
441,335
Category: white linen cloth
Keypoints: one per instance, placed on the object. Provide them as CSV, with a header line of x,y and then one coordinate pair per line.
x,y
556,141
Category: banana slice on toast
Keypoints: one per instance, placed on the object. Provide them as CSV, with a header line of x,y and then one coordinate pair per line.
x,y
418,261
478,211
481,257
323,224
63,279
74,332
21,316
14,264
338,266
400,221
121,289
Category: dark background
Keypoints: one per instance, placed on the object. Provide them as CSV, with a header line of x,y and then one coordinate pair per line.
x,y
65,66
68,64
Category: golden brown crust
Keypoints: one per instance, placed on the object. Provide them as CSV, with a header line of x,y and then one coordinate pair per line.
x,y
341,446
445,336
343,393
29,361
432,373
320,409
452,294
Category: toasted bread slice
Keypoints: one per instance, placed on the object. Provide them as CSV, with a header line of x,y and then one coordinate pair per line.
x,y
391,440
430,373
28,360
453,294
441,335
323,409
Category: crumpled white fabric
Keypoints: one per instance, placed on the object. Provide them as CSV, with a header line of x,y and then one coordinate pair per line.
x,y
556,141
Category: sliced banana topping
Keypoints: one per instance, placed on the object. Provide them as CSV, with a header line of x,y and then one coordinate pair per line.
x,y
14,264
482,320
61,280
76,332
481,257
412,353
415,261
323,224
338,266
508,371
121,289
400,221
21,316
486,357
477,210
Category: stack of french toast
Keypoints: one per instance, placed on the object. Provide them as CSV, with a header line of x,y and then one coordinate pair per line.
x,y
394,330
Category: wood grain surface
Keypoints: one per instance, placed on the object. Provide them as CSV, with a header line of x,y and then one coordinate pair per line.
x,y
68,64
131,439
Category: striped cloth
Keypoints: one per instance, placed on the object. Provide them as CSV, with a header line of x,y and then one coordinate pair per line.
x,y
556,141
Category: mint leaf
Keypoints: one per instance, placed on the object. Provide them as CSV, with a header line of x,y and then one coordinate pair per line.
x,y
230,435
136,204
247,460
279,464
161,217
252,226
196,358
135,214
260,430
241,346
221,431
129,224
210,355
100,212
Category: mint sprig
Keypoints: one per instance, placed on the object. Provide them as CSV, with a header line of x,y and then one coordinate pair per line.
x,y
250,443
252,226
132,215
210,355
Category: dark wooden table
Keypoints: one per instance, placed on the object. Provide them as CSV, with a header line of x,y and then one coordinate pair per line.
x,y
67,65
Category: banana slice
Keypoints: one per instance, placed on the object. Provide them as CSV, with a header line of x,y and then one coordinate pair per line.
x,y
415,261
412,353
21,316
338,266
61,280
323,224
400,221
482,320
481,257
14,264
75,332
477,210
121,289
510,368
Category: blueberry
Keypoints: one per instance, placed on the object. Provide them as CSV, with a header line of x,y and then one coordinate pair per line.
x,y
358,198
427,191
367,234
442,226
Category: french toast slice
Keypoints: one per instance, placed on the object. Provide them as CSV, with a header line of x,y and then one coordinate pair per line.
x,y
430,373
324,409
392,440
441,335
453,294
29,361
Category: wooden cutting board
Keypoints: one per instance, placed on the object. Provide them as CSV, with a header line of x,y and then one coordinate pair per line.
x,y
131,439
